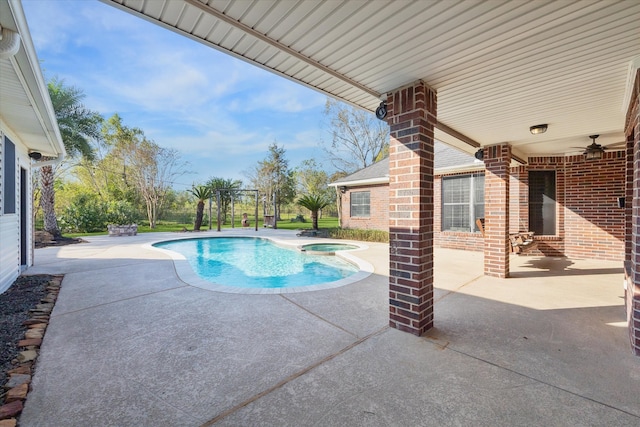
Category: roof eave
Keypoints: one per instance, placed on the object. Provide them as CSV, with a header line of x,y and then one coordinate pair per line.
x,y
361,182
27,68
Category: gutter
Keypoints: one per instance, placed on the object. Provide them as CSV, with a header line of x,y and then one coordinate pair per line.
x,y
53,162
369,181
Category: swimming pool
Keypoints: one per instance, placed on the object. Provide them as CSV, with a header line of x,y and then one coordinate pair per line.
x,y
247,263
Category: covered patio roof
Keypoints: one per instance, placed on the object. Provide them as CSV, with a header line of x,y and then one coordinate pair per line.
x,y
498,67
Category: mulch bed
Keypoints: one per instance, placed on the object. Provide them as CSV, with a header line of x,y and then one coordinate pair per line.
x,y
25,310
15,304
43,239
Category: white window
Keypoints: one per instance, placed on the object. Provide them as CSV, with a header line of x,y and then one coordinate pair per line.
x,y
462,202
360,204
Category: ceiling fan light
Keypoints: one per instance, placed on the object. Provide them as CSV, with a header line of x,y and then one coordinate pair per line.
x,y
538,129
593,151
593,154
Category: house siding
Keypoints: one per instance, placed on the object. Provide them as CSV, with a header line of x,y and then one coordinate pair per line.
x,y
10,245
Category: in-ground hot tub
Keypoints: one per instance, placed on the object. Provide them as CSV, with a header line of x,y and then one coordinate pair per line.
x,y
326,248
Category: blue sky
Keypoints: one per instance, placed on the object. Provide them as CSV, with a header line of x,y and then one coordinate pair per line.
x,y
219,112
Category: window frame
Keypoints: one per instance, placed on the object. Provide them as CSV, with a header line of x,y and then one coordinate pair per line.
x,y
360,204
9,178
541,205
473,208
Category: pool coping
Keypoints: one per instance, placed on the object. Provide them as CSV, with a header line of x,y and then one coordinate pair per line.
x,y
186,273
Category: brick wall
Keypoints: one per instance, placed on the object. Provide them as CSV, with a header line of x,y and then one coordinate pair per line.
x,y
594,224
589,223
378,218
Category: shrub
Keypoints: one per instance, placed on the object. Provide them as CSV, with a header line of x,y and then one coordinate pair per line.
x,y
121,212
85,214
361,235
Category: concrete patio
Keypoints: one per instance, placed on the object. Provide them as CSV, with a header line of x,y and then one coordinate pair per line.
x,y
130,344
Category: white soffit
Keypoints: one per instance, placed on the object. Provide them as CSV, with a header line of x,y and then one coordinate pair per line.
x,y
25,106
498,66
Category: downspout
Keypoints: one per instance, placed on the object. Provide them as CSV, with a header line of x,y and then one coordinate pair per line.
x,y
9,43
9,46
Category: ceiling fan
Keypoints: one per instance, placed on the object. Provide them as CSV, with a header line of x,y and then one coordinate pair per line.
x,y
594,151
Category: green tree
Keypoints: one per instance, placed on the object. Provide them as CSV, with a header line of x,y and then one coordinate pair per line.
x,y
310,179
153,169
202,193
358,138
313,202
78,127
147,167
272,176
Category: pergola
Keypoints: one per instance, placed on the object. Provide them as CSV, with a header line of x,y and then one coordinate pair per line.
x,y
473,74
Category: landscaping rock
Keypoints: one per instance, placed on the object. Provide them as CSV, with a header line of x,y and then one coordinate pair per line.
x,y
41,325
34,334
17,393
30,342
27,356
22,369
11,409
17,379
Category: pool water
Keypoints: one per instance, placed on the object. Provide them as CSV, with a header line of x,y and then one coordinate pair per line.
x,y
248,262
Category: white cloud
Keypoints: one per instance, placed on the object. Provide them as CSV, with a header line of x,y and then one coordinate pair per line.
x,y
219,112
278,94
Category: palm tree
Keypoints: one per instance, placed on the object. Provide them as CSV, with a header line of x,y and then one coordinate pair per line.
x,y
78,126
202,193
313,202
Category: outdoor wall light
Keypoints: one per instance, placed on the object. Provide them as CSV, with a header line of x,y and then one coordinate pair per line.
x,y
381,111
343,189
479,154
538,129
35,155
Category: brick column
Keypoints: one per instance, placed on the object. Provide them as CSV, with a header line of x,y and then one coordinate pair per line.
x,y
412,117
497,160
628,195
632,294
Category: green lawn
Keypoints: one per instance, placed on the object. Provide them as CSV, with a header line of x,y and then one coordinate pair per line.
x,y
285,224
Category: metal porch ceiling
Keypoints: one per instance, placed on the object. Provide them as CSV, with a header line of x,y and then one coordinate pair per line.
x,y
499,66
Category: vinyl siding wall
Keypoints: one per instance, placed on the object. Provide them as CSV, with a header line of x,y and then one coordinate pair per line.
x,y
10,267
